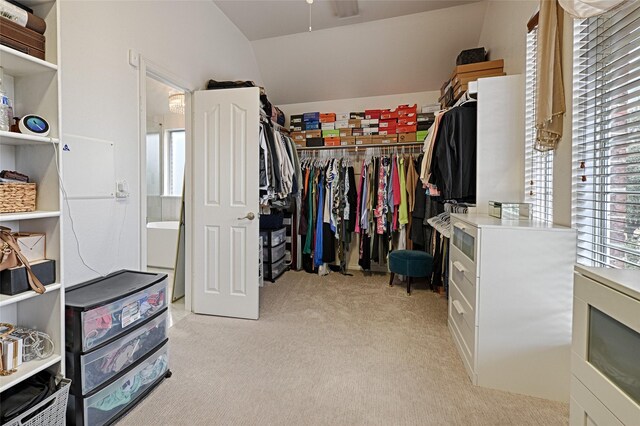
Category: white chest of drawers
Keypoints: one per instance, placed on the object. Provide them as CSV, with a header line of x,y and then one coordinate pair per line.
x,y
510,301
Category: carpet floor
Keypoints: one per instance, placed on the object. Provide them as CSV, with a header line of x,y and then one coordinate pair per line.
x,y
333,350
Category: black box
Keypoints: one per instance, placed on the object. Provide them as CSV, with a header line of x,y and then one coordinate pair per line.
x,y
471,56
315,142
424,126
14,281
295,119
297,127
356,115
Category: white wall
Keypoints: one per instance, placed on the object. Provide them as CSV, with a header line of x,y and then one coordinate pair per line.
x,y
360,104
397,55
191,39
504,32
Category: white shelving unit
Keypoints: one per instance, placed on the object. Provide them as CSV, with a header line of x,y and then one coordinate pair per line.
x,y
34,85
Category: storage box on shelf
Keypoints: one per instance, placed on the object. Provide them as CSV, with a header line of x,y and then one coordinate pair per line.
x,y
116,331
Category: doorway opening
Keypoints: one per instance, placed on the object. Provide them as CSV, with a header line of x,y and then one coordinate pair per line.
x,y
164,147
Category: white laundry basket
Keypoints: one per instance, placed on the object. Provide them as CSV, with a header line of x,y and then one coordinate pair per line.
x,y
52,415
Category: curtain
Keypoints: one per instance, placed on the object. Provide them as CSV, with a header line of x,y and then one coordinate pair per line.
x,y
588,8
550,101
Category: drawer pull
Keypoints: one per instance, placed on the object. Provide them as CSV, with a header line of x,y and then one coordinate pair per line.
x,y
459,266
458,306
460,226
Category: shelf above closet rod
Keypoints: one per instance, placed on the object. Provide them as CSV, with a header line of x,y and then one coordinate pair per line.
x,y
363,146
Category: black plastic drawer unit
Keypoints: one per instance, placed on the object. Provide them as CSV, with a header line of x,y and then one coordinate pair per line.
x,y
273,237
272,271
273,254
116,340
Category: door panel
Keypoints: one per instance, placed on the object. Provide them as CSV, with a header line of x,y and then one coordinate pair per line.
x,y
225,199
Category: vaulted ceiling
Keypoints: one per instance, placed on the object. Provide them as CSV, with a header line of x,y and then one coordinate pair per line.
x,y
391,47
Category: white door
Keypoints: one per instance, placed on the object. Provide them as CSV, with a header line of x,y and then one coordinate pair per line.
x,y
225,202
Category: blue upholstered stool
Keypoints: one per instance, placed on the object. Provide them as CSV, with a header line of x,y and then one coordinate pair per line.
x,y
410,263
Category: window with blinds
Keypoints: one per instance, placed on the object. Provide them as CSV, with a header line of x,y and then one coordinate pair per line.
x,y
538,165
606,138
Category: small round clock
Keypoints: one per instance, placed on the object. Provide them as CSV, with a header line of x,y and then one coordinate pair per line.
x,y
33,125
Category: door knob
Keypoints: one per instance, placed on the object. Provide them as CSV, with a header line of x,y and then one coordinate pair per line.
x,y
249,216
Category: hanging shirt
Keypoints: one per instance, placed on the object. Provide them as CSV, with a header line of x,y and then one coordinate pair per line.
x,y
403,218
395,184
317,255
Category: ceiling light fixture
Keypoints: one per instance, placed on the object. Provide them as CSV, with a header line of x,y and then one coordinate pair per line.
x,y
309,2
176,103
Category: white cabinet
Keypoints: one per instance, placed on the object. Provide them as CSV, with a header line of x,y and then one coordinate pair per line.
x,y
34,86
510,296
605,385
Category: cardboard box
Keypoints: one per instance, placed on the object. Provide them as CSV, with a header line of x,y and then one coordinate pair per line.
x,y
431,108
356,115
355,123
371,113
301,144
478,66
370,130
311,116
407,121
385,139
341,124
33,245
357,131
421,135
463,79
315,142
328,126
330,133
387,131
421,117
407,115
298,127
387,114
345,132
406,129
313,134
14,280
311,125
363,140
407,137
299,136
347,140
364,123
373,122
296,119
387,123
327,117
342,116
407,108
334,141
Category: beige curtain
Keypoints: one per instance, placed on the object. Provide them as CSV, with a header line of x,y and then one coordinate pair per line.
x,y
550,102
588,8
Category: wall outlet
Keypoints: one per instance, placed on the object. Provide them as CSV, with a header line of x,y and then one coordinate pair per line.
x,y
122,189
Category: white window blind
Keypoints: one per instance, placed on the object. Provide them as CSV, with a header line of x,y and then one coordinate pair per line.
x,y
175,162
606,138
538,165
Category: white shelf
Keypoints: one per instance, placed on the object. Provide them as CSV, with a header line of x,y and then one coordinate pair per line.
x,y
8,300
18,64
38,214
12,138
27,370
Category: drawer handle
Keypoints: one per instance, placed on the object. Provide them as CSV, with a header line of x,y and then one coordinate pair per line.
x,y
460,226
459,266
458,306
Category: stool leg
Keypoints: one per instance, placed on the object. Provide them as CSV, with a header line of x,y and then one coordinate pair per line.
x,y
393,274
408,286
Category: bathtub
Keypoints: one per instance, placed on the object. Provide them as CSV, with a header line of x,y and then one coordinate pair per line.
x,y
162,244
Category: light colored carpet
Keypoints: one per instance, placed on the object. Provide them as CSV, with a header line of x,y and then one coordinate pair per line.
x,y
330,350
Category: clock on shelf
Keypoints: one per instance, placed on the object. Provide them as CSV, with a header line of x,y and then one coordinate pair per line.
x,y
35,125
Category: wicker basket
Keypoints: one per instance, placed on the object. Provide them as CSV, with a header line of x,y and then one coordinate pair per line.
x,y
17,197
50,412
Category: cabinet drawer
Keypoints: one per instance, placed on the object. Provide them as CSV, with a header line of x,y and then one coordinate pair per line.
x,y
273,254
465,238
273,237
463,318
104,363
108,403
106,322
464,267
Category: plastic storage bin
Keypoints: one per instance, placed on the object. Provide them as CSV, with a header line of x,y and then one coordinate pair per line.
x,y
113,401
50,412
272,238
272,254
102,309
98,366
274,270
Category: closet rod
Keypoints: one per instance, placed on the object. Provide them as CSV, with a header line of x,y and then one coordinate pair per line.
x,y
363,146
